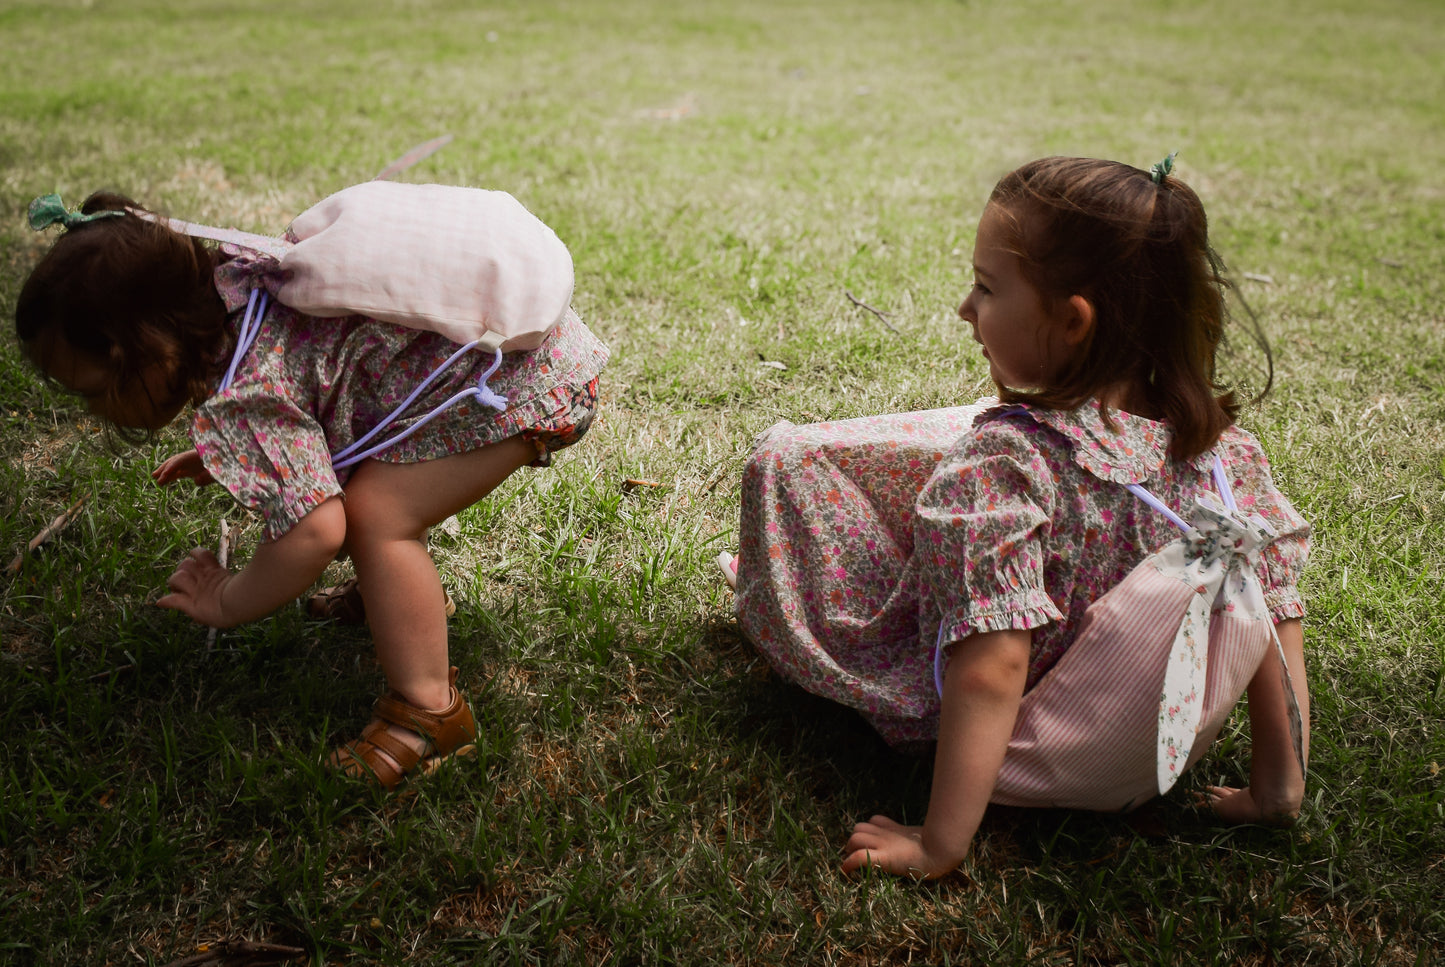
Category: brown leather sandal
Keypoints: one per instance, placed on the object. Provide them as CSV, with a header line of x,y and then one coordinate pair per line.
x,y
343,604
452,731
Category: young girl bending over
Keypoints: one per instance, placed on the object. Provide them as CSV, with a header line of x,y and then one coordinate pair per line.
x,y
142,321
979,537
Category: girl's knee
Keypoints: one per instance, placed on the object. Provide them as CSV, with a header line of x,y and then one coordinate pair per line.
x,y
784,447
376,513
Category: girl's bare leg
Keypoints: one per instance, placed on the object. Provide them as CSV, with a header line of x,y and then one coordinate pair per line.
x,y
389,508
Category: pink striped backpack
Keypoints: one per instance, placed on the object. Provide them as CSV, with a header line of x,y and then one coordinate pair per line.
x,y
469,263
1159,662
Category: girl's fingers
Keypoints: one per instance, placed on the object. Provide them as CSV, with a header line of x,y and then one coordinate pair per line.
x,y
1232,805
180,466
886,845
188,577
203,556
181,580
883,822
882,826
862,839
168,471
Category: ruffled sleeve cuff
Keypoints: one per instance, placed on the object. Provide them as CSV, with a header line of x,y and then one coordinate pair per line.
x,y
1030,608
1284,604
268,454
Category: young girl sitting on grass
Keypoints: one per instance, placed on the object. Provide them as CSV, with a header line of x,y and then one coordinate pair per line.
x,y
142,321
979,537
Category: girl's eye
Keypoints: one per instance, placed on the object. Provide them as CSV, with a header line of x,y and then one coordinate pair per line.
x,y
980,288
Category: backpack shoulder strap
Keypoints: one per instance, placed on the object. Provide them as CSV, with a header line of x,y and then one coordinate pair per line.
x,y
270,244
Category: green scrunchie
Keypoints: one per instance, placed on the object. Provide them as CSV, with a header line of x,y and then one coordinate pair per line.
x,y
47,210
1157,173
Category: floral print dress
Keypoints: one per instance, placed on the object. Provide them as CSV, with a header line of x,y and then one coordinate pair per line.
x,y
310,387
864,542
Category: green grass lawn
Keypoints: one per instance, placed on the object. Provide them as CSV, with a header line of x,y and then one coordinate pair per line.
x,y
725,174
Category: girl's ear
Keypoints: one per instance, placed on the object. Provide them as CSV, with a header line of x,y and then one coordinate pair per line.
x,y
1077,321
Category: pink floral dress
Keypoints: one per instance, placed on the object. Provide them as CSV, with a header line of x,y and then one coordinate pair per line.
x,y
309,387
860,539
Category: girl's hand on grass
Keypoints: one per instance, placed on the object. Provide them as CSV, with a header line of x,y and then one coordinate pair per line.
x,y
196,589
894,848
182,466
1239,807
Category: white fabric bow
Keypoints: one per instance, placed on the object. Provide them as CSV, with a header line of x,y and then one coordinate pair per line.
x,y
1219,556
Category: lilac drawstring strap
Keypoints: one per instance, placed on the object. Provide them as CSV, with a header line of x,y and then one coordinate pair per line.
x,y
1220,483
251,324
483,393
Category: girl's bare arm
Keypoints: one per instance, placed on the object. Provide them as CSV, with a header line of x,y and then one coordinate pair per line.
x,y
1276,783
278,571
981,691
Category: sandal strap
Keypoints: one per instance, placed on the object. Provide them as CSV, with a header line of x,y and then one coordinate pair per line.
x,y
344,604
341,603
367,753
387,758
445,730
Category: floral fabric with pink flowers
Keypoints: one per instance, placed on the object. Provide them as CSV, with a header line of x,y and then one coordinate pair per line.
x,y
862,539
309,387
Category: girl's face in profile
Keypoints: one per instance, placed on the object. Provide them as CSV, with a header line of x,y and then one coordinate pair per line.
x,y
145,403
1010,318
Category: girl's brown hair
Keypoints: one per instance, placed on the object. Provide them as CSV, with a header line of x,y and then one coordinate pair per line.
x,y
128,294
1139,252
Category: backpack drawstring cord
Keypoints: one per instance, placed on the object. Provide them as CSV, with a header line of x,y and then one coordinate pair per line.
x,y
256,308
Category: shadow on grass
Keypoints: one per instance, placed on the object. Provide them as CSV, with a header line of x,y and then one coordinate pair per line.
x,y
843,765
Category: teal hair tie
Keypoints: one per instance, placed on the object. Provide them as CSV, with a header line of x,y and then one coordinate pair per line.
x,y
48,210
1157,173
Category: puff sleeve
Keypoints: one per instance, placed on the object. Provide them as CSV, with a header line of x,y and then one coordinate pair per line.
x,y
268,452
1283,560
982,524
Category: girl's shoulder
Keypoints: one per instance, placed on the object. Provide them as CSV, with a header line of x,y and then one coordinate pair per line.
x,y
1236,444
1115,446
1244,457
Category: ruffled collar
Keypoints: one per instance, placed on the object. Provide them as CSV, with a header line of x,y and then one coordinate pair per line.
x,y
1131,452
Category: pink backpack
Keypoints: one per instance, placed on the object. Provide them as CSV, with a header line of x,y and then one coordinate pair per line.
x,y
1159,662
471,264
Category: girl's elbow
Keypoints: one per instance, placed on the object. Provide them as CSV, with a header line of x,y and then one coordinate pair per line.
x,y
324,528
992,664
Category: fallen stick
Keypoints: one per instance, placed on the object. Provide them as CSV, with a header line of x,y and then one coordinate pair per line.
x,y
882,316
223,556
46,534
240,953
416,154
102,676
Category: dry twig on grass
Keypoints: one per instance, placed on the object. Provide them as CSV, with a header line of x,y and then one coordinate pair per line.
x,y
224,558
882,316
240,953
46,534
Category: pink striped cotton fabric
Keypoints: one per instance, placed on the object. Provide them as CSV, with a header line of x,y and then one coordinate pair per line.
x,y
1086,733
